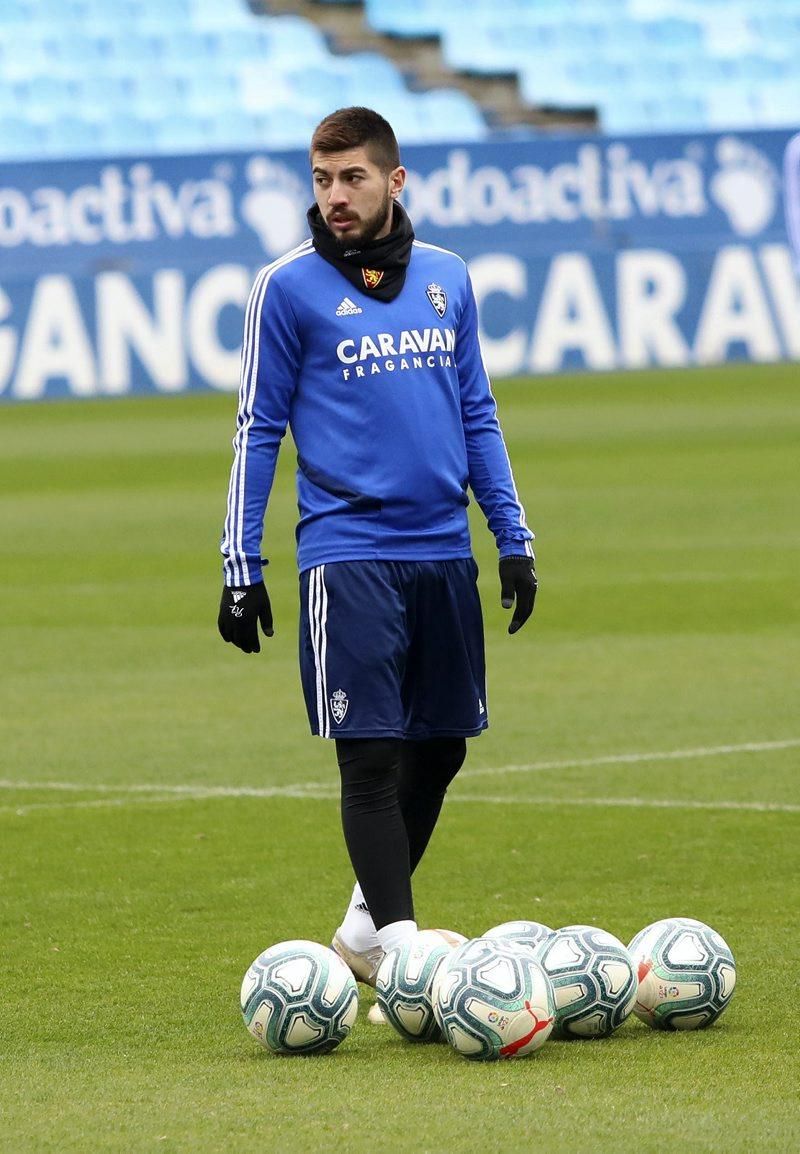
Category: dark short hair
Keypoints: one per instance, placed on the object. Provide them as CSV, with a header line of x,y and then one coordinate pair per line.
x,y
357,128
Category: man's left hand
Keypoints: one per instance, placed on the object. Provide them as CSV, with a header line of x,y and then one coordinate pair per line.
x,y
518,582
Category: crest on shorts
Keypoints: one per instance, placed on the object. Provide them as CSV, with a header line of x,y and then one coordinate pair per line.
x,y
339,704
372,278
438,298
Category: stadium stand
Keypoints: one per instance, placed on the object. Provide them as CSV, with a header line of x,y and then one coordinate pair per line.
x,y
91,78
86,78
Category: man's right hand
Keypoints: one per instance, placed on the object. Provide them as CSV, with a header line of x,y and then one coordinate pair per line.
x,y
240,610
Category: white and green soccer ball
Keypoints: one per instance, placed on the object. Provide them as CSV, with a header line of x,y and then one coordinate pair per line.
x,y
524,933
493,1000
594,979
299,997
404,984
686,974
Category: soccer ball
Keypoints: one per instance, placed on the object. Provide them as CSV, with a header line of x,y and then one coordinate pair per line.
x,y
299,997
404,983
686,974
492,999
524,933
594,979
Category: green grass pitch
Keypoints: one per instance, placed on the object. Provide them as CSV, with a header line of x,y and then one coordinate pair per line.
x,y
642,762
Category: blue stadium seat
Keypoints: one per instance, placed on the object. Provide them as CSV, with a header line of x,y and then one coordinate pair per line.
x,y
227,10
776,27
220,14
728,35
55,11
668,112
234,129
598,73
95,89
79,51
344,80
155,94
500,48
411,18
162,22
15,12
72,136
451,115
383,73
213,68
206,95
284,128
241,43
12,100
131,48
779,101
307,88
292,37
181,132
19,139
674,32
126,135
123,11
26,51
45,97
759,68
731,106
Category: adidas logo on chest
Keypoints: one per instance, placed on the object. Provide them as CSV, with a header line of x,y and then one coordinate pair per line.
x,y
348,308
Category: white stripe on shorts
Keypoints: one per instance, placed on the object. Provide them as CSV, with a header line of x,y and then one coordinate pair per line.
x,y
318,619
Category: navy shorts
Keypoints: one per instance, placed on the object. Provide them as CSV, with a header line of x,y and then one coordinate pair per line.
x,y
393,649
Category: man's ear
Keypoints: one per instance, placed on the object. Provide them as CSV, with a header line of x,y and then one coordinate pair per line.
x,y
397,180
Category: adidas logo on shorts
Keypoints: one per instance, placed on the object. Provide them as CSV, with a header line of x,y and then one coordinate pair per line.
x,y
348,308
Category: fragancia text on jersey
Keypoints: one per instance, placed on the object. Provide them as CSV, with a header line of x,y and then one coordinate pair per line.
x,y
410,349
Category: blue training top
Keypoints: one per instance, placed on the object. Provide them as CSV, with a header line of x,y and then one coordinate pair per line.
x,y
391,411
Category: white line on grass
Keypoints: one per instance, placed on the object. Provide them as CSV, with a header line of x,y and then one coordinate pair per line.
x,y
634,758
96,803
148,795
125,794
143,799
631,803
299,789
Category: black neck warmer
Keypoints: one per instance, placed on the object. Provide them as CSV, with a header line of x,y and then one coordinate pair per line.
x,y
378,268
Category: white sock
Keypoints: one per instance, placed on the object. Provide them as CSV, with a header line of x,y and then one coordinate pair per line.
x,y
358,929
396,933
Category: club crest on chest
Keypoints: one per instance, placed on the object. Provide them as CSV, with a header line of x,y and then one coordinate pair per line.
x,y
438,298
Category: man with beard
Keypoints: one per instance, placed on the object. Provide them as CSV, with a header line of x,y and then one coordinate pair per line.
x,y
364,341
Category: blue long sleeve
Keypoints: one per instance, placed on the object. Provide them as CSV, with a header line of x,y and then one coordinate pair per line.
x,y
490,475
391,411
269,370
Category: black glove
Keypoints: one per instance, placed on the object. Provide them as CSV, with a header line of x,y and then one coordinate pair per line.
x,y
518,580
240,610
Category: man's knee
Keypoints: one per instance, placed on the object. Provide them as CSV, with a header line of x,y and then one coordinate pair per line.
x,y
431,765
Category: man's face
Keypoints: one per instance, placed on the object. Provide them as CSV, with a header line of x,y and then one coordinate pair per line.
x,y
354,195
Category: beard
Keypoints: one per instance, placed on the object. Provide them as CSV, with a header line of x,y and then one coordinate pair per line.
x,y
368,227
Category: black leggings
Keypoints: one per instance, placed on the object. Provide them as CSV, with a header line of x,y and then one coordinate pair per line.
x,y
392,793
